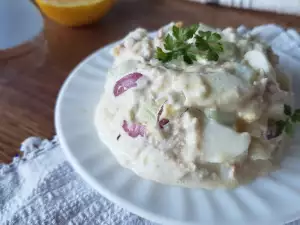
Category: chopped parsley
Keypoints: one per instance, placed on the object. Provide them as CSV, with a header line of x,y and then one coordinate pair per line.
x,y
178,44
288,125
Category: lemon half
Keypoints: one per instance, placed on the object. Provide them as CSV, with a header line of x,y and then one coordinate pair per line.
x,y
75,12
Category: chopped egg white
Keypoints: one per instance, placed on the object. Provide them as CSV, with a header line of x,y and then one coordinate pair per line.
x,y
216,146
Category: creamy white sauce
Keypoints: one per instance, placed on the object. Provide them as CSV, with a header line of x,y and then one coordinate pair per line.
x,y
218,112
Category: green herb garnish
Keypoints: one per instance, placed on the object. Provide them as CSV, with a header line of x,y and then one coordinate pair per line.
x,y
210,43
288,125
206,44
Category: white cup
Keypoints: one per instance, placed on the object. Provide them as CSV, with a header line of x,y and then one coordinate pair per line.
x,y
20,22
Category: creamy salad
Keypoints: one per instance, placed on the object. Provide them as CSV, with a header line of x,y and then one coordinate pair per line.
x,y
200,108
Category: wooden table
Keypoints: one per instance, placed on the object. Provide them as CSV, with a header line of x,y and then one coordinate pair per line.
x,y
30,83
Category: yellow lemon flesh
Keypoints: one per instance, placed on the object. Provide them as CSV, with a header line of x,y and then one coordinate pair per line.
x,y
75,12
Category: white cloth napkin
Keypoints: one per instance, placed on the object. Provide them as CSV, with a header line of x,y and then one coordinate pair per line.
x,y
278,6
41,188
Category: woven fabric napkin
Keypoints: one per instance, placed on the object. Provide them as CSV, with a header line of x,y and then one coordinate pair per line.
x,y
41,188
278,6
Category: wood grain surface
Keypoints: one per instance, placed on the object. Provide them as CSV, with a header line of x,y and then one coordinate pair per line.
x,y
30,82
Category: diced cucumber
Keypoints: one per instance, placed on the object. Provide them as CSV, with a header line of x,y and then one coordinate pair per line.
x,y
226,118
148,112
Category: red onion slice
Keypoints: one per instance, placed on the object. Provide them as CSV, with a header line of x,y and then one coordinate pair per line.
x,y
275,128
160,112
134,130
161,122
125,83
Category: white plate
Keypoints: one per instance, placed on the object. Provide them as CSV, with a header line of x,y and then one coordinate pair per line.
x,y
270,200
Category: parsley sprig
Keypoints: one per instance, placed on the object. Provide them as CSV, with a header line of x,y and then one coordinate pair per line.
x,y
178,44
288,125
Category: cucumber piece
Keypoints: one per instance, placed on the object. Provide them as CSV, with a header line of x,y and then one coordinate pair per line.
x,y
225,118
148,112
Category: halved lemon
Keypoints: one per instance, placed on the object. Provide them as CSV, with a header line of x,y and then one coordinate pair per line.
x,y
75,12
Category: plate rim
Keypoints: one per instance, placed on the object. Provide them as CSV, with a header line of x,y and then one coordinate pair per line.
x,y
90,180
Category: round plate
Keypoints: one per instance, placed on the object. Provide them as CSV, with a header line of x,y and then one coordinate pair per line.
x,y
268,200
